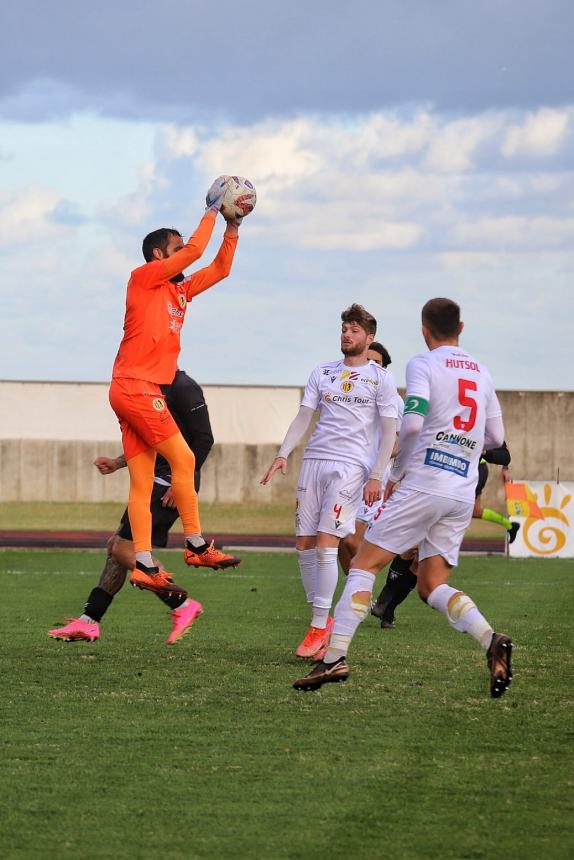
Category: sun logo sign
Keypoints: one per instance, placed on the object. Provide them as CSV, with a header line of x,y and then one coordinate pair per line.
x,y
545,510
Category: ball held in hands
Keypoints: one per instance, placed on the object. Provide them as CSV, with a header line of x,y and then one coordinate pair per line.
x,y
214,197
235,197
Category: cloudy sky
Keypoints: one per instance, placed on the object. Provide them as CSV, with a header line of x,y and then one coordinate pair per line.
x,y
401,149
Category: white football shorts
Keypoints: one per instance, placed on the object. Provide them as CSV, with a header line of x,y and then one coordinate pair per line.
x,y
367,513
411,518
329,493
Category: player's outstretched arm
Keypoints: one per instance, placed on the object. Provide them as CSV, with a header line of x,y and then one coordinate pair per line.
x,y
219,269
295,433
192,250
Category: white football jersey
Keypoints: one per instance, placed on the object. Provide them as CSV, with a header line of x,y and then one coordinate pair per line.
x,y
456,395
400,410
351,402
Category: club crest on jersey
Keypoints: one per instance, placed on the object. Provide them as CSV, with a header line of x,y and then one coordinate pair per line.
x,y
347,386
158,404
182,301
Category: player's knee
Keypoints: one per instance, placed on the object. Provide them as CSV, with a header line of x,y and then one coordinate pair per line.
x,y
303,542
351,544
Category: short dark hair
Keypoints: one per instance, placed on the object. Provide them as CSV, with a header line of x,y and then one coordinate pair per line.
x,y
441,317
157,239
383,352
357,314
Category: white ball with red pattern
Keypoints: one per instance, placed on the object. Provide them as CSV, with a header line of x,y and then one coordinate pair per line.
x,y
239,198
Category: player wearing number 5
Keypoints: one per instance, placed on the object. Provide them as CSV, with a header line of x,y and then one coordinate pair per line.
x,y
351,445
451,415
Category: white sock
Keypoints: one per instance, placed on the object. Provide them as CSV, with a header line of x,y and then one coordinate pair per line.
x,y
307,565
87,619
349,612
145,558
195,540
461,612
326,578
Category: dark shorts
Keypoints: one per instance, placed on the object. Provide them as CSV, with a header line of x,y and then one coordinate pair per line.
x,y
162,519
482,478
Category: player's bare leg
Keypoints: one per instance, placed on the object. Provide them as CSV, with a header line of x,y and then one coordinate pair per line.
x,y
463,614
349,546
184,610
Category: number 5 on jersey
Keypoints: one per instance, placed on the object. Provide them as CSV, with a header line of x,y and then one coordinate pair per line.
x,y
464,386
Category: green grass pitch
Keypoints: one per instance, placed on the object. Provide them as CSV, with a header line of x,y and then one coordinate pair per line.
x,y
129,748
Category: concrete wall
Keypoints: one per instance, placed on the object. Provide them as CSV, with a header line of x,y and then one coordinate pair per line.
x,y
50,434
75,411
52,470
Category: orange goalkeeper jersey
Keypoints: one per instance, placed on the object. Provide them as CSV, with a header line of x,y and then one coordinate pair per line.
x,y
155,307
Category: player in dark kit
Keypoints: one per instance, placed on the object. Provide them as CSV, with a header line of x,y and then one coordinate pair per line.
x,y
401,578
186,403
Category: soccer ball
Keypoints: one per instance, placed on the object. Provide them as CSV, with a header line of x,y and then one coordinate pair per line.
x,y
239,198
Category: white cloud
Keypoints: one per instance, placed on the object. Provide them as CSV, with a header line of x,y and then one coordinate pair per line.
x,y
379,181
386,208
453,145
180,141
525,184
279,154
25,216
540,134
515,232
315,233
455,260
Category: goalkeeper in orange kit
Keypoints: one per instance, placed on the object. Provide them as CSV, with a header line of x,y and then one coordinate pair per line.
x,y
156,303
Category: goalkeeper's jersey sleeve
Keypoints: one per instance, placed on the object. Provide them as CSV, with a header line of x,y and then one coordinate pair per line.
x,y
156,307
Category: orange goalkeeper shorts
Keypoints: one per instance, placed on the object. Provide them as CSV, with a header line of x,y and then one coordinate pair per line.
x,y
144,418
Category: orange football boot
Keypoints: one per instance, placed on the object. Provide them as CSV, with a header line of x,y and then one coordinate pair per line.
x,y
211,557
154,579
316,639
